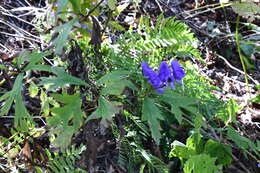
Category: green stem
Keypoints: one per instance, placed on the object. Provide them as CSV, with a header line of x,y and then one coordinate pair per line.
x,y
239,52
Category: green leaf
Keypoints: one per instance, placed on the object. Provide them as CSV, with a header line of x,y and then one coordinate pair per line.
x,y
228,115
64,31
33,90
202,163
10,96
246,9
152,115
112,4
222,152
2,67
106,110
35,58
62,4
66,120
117,87
178,103
76,5
195,143
240,141
61,80
22,117
113,77
181,151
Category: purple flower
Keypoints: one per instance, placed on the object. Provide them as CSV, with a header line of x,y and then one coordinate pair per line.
x,y
160,81
152,76
165,72
178,72
258,165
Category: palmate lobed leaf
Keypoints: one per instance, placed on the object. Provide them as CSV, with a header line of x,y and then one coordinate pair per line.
x,y
64,31
178,103
67,119
21,113
222,152
152,114
106,110
113,77
61,80
201,163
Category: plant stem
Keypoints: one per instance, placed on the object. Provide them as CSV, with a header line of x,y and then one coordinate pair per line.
x,y
239,52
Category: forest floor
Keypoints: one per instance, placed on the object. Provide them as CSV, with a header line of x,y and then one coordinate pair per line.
x,y
210,25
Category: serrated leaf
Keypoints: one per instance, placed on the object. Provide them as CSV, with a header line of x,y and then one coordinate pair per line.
x,y
117,88
35,58
152,115
178,102
202,163
64,31
106,110
22,117
67,119
113,76
10,96
112,4
61,80
181,151
240,141
222,152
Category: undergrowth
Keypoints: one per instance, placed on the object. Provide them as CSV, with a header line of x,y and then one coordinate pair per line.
x,y
183,127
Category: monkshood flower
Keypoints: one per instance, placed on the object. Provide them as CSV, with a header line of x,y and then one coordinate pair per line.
x,y
160,81
178,72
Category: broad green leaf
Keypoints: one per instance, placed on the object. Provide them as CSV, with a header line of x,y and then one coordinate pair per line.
x,y
106,110
152,115
35,58
117,88
64,31
177,102
61,80
66,120
113,76
222,152
76,4
112,4
181,151
228,115
195,143
202,163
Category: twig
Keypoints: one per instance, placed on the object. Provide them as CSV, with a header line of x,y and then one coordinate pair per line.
x,y
156,1
10,14
17,29
236,69
15,35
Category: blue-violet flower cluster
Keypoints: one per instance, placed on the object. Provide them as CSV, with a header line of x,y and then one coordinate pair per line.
x,y
166,75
